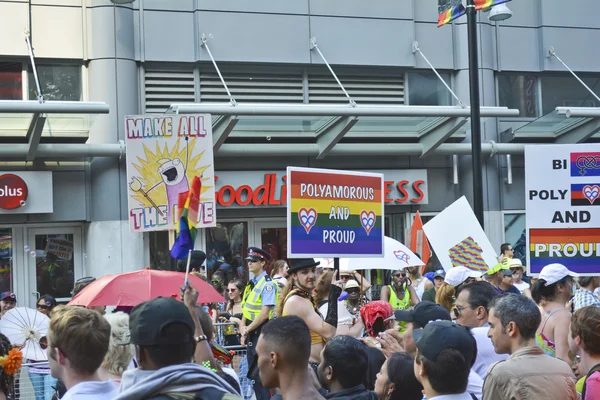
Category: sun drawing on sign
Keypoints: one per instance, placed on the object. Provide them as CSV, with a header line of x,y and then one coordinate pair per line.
x,y
151,178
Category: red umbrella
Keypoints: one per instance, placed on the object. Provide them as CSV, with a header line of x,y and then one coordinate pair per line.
x,y
133,288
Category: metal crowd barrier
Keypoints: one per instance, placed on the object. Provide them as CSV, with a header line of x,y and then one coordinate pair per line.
x,y
23,384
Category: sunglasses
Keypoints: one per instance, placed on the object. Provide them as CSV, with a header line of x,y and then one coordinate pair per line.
x,y
231,290
43,307
457,311
253,260
353,290
400,274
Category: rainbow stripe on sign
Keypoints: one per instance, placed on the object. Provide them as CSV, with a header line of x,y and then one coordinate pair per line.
x,y
334,213
577,249
469,254
483,4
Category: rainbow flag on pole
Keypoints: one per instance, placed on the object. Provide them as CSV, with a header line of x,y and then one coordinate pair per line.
x,y
483,4
449,10
187,209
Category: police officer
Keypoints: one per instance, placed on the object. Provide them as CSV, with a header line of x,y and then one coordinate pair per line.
x,y
258,307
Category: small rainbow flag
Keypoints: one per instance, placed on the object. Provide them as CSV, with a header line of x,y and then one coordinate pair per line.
x,y
188,203
483,4
451,13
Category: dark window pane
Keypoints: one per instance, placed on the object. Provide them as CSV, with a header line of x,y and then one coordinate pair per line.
x,y
54,265
520,92
226,247
426,89
11,81
6,254
566,91
58,82
160,256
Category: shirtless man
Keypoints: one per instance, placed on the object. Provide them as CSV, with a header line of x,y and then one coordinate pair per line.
x,y
298,301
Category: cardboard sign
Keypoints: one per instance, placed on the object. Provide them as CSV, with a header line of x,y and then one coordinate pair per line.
x,y
164,153
458,239
563,207
334,213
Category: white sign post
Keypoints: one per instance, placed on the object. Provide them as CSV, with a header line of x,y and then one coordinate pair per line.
x,y
164,153
563,207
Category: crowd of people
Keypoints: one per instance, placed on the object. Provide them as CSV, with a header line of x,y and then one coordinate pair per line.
x,y
311,333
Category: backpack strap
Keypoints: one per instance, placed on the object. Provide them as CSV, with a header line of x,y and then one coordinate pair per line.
x,y
595,368
473,396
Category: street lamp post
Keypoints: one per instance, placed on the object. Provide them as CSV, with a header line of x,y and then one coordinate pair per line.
x,y
475,112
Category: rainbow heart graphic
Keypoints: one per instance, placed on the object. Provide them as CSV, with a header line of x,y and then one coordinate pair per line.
x,y
402,256
308,218
591,192
367,220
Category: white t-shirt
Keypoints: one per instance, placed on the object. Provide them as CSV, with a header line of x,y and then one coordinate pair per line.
x,y
106,390
475,384
486,355
521,286
420,288
231,372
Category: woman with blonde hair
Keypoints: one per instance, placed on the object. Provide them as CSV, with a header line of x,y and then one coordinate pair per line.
x,y
455,277
120,350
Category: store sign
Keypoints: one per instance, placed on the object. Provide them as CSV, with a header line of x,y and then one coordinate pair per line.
x,y
25,192
562,185
333,213
269,189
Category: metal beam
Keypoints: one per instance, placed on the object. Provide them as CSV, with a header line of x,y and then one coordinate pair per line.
x,y
579,112
333,133
342,110
433,138
34,134
221,130
18,152
52,107
580,133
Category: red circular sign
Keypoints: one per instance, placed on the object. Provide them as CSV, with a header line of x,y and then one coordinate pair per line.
x,y
13,191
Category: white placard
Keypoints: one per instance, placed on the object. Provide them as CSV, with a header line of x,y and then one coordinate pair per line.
x,y
458,239
563,207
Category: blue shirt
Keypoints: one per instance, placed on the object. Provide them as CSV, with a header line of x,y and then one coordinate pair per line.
x,y
269,291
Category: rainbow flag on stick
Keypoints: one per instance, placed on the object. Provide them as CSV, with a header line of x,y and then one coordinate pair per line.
x,y
483,4
187,209
449,10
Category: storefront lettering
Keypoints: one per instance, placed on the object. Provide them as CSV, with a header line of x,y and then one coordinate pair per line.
x,y
13,192
268,195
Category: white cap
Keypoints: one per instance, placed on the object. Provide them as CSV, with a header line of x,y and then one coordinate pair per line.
x,y
457,275
515,263
351,284
553,273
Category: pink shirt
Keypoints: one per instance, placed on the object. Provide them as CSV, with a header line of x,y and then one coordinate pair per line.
x,y
592,387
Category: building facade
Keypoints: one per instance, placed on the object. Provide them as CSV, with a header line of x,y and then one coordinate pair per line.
x,y
144,57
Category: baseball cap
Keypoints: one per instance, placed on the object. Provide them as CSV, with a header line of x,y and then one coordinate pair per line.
x,y
553,273
8,296
440,273
438,336
351,284
423,313
148,320
457,275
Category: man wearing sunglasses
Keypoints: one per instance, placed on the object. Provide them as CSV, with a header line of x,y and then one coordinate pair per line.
x,y
258,307
400,294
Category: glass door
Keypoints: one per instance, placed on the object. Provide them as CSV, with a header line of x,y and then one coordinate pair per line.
x,y
271,236
54,261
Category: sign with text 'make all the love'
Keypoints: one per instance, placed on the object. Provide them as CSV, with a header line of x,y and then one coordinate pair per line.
x,y
563,207
333,213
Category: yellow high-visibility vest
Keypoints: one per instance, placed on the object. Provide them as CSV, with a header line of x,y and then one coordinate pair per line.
x,y
252,299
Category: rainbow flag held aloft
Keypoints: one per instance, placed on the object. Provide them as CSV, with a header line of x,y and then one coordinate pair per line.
x,y
483,4
449,10
187,209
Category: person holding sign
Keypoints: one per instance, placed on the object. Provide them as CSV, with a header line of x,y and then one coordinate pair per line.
x,y
296,299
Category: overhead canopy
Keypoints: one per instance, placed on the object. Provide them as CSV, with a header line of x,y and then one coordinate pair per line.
x,y
563,125
320,130
25,125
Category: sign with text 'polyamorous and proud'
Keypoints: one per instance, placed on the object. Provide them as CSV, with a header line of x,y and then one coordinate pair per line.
x,y
563,207
333,213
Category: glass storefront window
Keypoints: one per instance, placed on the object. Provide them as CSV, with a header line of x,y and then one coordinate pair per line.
x,y
515,234
226,246
160,256
520,92
425,89
274,242
55,269
6,253
566,91
58,82
11,81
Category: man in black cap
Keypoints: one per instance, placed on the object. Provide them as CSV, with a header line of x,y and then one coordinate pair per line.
x,y
258,307
445,352
167,335
298,301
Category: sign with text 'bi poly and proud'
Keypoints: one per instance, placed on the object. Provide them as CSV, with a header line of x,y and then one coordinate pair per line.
x,y
334,213
563,207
